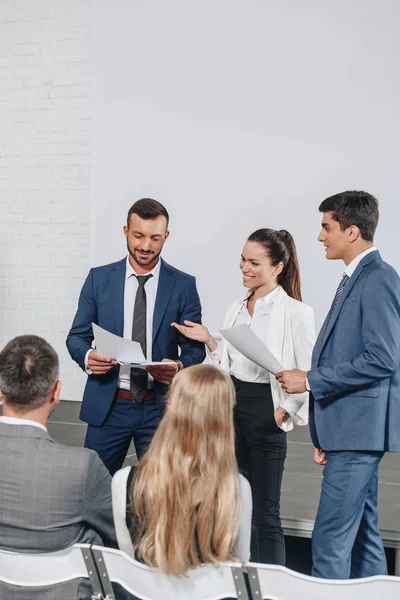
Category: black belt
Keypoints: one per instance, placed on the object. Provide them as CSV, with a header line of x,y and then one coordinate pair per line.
x,y
238,383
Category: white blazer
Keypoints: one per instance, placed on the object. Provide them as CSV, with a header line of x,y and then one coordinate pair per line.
x,y
291,338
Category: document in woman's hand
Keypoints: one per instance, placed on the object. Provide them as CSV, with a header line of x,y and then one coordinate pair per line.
x,y
245,341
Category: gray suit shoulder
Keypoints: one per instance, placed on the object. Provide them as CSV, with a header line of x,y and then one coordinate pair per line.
x,y
83,458
379,270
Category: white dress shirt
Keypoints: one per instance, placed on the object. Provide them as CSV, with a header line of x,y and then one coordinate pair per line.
x,y
291,338
351,267
21,421
239,366
131,286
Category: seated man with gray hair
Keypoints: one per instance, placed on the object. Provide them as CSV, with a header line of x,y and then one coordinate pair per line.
x,y
52,496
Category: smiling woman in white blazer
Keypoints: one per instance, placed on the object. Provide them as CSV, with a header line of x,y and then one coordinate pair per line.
x,y
264,412
290,338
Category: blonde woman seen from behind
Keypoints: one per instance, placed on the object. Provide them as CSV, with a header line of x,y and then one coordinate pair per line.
x,y
186,503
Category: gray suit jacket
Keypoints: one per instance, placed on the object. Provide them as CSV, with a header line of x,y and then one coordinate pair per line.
x,y
52,496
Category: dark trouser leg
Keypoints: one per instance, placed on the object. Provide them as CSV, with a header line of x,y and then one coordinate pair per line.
x,y
144,431
261,452
266,467
368,556
346,540
125,421
242,452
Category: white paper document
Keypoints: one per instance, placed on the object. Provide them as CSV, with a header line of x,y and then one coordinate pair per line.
x,y
126,352
247,343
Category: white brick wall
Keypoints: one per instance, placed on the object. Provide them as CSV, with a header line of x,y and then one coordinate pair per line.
x,y
45,132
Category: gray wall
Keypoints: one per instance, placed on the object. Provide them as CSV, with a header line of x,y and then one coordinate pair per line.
x,y
239,115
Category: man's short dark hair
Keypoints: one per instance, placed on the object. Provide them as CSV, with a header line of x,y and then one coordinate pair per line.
x,y
354,208
147,208
29,370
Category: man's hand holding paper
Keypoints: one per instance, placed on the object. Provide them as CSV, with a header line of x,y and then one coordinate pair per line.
x,y
118,349
293,381
100,364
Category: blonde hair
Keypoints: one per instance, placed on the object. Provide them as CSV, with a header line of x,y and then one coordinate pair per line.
x,y
185,496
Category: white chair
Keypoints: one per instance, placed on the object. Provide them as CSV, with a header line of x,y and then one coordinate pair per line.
x,y
47,569
279,583
204,583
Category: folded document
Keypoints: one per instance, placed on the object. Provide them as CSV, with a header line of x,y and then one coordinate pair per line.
x,y
120,349
247,343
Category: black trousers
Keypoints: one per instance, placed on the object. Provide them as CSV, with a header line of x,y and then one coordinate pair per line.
x,y
261,452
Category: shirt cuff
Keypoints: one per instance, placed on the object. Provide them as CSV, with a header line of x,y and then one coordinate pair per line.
x,y
291,412
87,370
214,356
307,385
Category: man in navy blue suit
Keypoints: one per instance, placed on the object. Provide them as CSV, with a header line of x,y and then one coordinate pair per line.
x,y
354,385
136,298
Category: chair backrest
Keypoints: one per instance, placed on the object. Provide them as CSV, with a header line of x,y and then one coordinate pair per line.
x,y
273,582
40,570
204,583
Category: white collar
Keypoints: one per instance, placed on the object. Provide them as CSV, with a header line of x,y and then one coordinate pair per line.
x,y
131,271
351,267
21,421
265,299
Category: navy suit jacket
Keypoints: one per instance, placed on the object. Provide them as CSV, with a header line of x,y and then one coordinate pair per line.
x,y
102,301
355,377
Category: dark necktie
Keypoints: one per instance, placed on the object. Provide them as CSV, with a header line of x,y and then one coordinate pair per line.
x,y
339,291
138,386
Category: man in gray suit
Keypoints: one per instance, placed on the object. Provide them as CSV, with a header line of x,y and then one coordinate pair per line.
x,y
52,496
354,382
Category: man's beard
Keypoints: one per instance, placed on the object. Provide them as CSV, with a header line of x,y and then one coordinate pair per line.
x,y
143,261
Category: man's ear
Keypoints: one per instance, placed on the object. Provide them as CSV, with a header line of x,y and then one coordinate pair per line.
x,y
354,233
55,395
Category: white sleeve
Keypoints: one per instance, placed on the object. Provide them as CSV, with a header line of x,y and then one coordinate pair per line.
x,y
303,337
118,491
241,548
215,356
88,371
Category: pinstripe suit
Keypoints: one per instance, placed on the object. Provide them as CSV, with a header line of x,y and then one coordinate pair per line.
x,y
52,496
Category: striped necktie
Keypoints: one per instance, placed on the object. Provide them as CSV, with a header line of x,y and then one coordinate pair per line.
x,y
339,291
138,386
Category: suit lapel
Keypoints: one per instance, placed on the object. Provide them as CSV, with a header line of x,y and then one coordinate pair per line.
x,y
326,329
117,284
276,327
164,291
231,318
